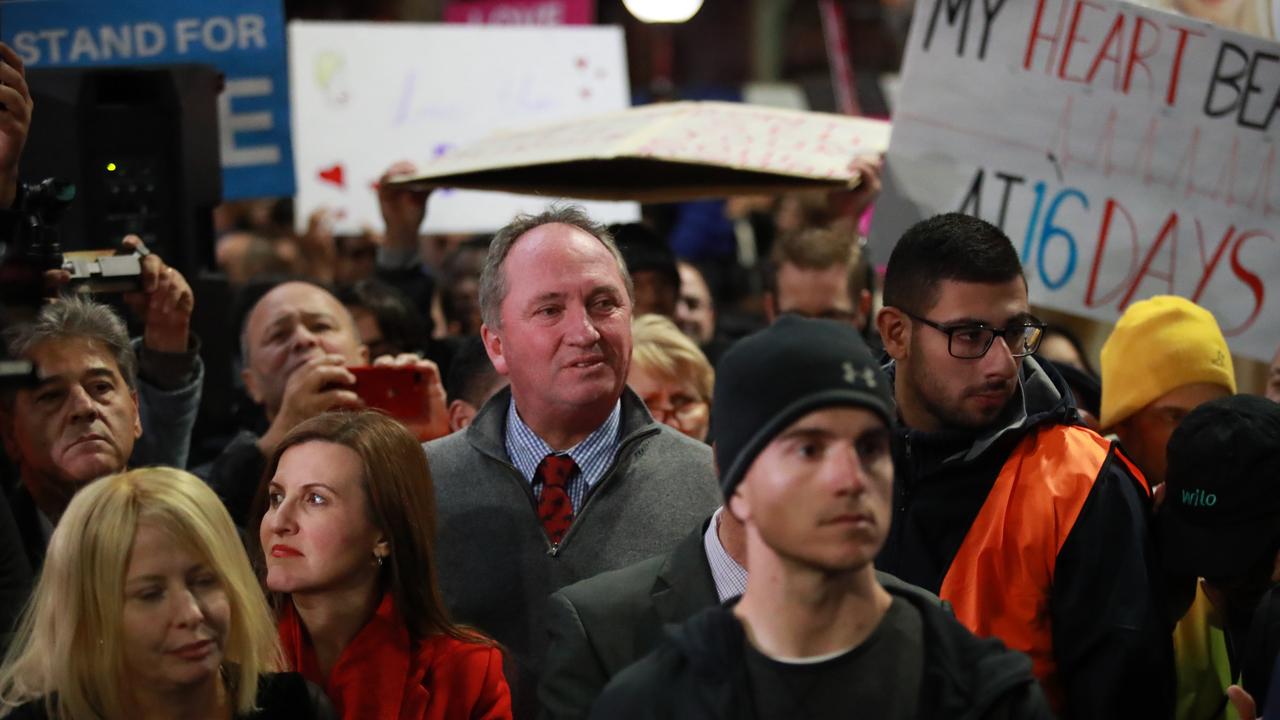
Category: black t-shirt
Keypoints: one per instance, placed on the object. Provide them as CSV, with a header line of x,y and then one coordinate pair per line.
x,y
878,679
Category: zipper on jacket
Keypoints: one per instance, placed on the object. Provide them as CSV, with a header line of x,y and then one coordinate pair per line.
x,y
623,447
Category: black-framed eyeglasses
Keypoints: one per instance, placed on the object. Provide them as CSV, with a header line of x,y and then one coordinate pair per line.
x,y
970,341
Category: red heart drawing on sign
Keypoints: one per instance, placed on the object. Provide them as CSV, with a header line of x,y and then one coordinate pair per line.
x,y
332,175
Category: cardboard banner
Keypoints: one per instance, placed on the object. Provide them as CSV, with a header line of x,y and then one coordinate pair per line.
x,y
242,38
1127,153
368,95
666,153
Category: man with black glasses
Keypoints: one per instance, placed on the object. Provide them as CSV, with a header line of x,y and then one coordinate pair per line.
x,y
1033,527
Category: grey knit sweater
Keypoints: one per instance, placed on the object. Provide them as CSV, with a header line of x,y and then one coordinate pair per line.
x,y
496,567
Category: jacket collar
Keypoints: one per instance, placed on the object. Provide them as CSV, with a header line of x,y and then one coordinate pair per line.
x,y
1041,398
684,585
485,433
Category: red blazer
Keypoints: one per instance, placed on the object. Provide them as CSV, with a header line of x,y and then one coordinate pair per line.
x,y
383,675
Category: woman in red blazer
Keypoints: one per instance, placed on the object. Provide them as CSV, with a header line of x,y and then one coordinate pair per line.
x,y
347,517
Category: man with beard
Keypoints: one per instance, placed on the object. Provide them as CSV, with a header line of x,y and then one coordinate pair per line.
x,y
1033,527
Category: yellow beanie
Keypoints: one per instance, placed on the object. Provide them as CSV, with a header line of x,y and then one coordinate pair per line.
x,y
1159,345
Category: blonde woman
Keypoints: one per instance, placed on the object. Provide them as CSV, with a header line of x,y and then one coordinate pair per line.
x,y
147,607
671,375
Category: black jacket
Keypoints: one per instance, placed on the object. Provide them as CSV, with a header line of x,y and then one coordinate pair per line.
x,y
281,696
700,672
1111,637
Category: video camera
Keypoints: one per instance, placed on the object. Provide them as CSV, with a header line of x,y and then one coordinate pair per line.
x,y
31,247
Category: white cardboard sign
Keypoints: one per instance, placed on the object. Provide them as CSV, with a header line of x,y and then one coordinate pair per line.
x,y
366,95
1126,152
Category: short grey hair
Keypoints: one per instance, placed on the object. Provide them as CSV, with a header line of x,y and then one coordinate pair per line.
x,y
75,317
493,281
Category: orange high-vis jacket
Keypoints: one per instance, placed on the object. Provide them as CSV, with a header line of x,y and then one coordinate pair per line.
x,y
1000,581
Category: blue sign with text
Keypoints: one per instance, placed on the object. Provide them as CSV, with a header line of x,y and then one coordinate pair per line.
x,y
245,39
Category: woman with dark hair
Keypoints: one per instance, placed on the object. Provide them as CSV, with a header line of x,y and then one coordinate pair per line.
x,y
347,520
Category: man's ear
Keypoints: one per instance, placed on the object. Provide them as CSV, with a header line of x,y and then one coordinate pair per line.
x,y
863,309
137,416
251,386
461,413
493,346
770,307
739,505
895,331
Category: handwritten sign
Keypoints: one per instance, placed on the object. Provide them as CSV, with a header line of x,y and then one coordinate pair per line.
x,y
521,12
1127,152
242,38
667,152
367,95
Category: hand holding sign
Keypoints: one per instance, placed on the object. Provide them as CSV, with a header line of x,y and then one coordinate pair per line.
x,y
403,210
15,121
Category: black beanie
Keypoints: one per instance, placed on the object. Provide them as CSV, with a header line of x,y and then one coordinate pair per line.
x,y
772,378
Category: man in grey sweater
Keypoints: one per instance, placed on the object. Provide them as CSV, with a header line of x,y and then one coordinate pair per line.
x,y
563,475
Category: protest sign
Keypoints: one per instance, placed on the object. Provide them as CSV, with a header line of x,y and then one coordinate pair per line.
x,y
368,95
1127,153
521,12
242,38
666,153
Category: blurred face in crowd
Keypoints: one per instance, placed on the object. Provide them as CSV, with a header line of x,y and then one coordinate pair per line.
x,y
290,325
565,339
672,401
176,614
819,494
356,258
1145,434
1059,349
939,391
462,288
695,313
318,532
815,293
654,293
78,424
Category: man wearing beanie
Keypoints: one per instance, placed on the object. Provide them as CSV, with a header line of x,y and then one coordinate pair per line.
x,y
1032,526
1221,522
803,418
1164,358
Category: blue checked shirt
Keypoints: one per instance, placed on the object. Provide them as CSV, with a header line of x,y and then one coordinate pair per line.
x,y
593,455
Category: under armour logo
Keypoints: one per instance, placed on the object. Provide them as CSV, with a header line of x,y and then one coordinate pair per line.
x,y
851,375
1220,360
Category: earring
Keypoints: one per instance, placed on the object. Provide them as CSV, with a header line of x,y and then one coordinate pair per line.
x,y
379,558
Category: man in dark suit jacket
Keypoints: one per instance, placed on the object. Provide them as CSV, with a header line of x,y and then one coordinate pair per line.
x,y
603,624
600,625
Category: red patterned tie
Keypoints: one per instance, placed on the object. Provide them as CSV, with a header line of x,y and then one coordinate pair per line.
x,y
554,508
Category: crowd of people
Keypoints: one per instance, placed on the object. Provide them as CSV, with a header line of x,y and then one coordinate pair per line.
x,y
646,485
